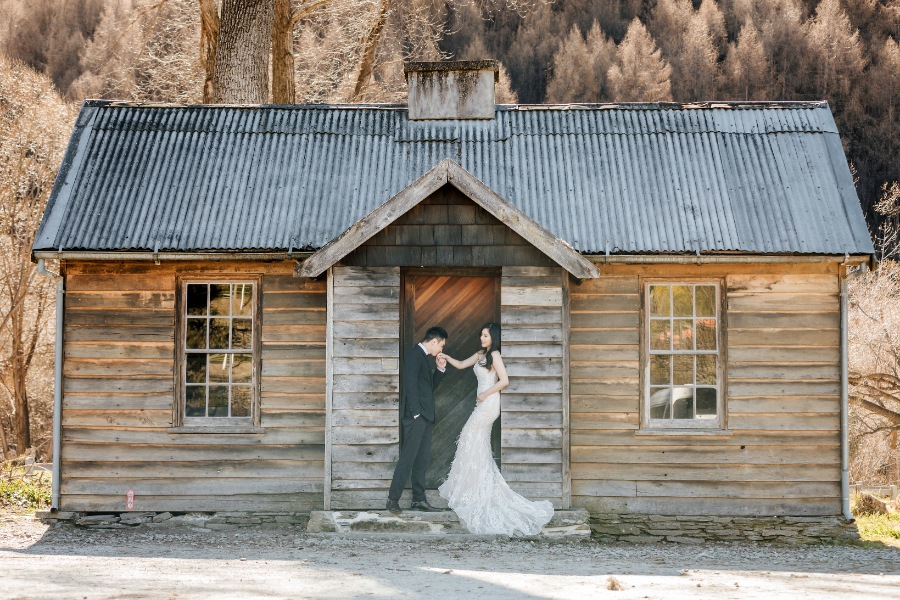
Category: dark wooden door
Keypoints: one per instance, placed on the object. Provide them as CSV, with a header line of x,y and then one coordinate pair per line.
x,y
461,304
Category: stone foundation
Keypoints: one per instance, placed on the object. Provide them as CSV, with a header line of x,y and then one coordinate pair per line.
x,y
197,520
695,530
639,529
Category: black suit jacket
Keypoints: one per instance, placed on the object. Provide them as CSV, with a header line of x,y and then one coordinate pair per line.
x,y
419,384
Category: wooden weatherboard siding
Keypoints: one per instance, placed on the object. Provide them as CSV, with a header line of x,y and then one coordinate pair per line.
x,y
782,455
118,394
533,434
364,434
447,229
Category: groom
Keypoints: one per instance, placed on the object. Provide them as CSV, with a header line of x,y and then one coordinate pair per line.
x,y
417,418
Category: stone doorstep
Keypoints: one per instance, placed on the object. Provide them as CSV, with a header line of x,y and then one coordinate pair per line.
x,y
566,524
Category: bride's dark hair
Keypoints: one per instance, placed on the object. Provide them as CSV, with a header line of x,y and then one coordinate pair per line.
x,y
494,331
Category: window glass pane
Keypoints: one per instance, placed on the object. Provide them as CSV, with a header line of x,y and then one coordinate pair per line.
x,y
706,369
683,371
706,301
240,401
706,403
660,403
218,333
683,334
195,401
241,297
683,402
196,299
219,298
218,401
706,334
659,369
683,300
660,336
218,367
196,368
659,301
241,369
196,334
241,334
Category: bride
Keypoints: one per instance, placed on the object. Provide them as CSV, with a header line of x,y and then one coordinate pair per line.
x,y
475,489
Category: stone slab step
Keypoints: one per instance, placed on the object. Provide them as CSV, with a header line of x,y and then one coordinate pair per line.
x,y
564,524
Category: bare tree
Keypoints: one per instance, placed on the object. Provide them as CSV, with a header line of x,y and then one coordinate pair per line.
x,y
35,122
639,74
145,52
874,370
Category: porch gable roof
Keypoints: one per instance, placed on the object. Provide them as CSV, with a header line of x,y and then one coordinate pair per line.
x,y
448,172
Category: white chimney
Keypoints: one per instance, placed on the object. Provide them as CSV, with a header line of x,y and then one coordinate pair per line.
x,y
452,90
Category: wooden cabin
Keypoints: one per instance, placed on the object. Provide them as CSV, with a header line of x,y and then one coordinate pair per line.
x,y
240,285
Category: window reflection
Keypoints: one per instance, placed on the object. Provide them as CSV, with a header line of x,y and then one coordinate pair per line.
x,y
682,342
218,346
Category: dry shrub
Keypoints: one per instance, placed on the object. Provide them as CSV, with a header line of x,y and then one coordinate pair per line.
x,y
614,584
874,353
867,504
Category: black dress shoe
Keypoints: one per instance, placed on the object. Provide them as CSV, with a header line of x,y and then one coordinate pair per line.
x,y
423,506
393,507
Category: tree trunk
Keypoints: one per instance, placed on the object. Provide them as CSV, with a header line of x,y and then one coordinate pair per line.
x,y
369,51
20,394
283,91
4,446
242,54
209,40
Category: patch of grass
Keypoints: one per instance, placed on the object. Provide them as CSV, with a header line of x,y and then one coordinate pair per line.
x,y
880,528
22,492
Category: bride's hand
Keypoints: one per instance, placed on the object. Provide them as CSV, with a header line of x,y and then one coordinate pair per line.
x,y
479,398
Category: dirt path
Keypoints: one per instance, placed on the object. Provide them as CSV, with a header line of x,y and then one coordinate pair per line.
x,y
65,562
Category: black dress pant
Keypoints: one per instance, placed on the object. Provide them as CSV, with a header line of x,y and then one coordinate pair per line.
x,y
415,455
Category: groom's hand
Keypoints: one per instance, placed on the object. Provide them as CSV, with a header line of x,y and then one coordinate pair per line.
x,y
441,362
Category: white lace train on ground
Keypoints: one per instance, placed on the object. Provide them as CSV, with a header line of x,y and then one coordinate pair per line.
x,y
476,490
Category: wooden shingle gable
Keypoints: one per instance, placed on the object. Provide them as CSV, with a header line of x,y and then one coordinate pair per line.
x,y
448,172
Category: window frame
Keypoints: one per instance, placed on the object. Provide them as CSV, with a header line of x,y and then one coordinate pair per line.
x,y
719,423
216,424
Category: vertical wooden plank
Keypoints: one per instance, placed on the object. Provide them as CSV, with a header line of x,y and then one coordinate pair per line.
x,y
534,319
329,382
566,470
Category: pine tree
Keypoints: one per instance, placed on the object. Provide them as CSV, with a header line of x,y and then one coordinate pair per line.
x,y
714,18
639,73
836,51
580,66
747,67
883,95
573,79
695,69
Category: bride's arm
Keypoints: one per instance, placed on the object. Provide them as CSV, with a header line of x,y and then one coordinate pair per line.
x,y
502,377
460,364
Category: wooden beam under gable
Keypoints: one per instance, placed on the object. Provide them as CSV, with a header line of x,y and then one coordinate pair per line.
x,y
447,171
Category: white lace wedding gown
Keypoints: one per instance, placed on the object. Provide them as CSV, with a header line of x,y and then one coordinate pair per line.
x,y
475,489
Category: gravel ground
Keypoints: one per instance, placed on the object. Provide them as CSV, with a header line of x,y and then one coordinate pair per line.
x,y
67,562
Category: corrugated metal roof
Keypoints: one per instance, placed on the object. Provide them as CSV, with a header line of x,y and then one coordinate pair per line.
x,y
635,178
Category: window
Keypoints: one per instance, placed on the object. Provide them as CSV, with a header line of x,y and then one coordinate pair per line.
x,y
218,353
682,381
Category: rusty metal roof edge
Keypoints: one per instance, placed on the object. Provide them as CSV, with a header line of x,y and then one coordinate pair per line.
x,y
712,104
